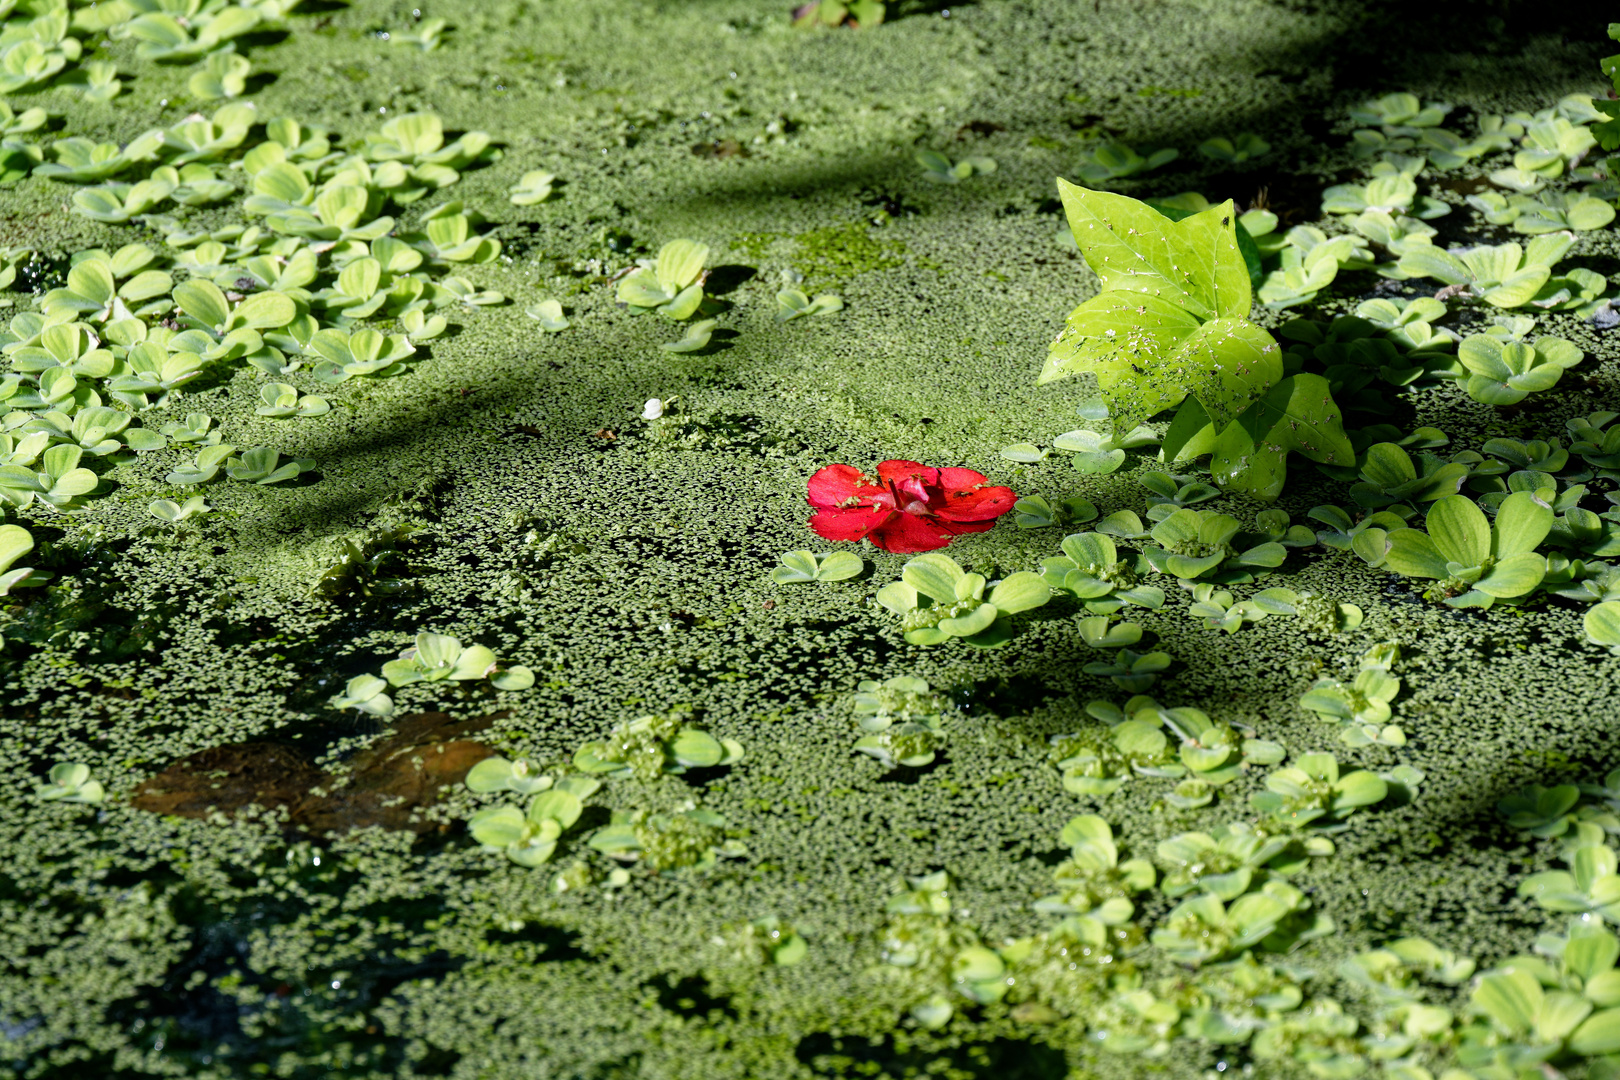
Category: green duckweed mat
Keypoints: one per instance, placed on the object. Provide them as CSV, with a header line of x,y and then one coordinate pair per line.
x,y
627,563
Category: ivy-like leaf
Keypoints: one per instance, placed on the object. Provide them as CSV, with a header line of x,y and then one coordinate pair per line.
x,y
1297,415
1172,319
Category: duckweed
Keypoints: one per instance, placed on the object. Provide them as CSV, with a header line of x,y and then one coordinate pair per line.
x,y
245,300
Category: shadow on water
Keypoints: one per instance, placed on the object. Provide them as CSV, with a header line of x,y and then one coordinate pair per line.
x,y
1366,47
1000,1059
1371,48
196,1023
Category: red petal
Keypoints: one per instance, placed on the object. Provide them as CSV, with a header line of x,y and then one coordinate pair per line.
x,y
895,471
907,533
975,504
838,483
963,528
854,523
960,479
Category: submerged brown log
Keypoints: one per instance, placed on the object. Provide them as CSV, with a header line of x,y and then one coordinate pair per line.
x,y
386,784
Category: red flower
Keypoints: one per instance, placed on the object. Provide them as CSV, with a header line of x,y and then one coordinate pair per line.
x,y
907,507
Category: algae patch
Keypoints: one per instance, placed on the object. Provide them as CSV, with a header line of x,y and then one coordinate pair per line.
x,y
831,255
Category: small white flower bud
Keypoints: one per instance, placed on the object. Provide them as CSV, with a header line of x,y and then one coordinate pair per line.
x,y
653,409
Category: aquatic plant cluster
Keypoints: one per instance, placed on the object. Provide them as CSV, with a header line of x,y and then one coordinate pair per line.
x,y
303,279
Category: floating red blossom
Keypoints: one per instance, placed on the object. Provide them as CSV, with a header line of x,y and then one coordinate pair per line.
x,y
907,507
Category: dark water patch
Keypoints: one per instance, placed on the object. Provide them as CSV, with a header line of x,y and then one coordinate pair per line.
x,y
215,1009
892,204
40,273
1005,696
979,127
728,278
553,942
1295,199
1050,858
915,774
1464,185
261,39
886,1059
690,996
700,778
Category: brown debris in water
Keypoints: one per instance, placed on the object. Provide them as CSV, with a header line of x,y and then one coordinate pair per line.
x,y
387,782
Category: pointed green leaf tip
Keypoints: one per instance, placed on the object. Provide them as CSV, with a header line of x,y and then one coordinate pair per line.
x,y
1172,317
1297,415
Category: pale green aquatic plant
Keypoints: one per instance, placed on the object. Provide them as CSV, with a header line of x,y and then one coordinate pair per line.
x,y
549,314
794,304
167,510
1091,570
1401,110
1116,160
281,401
57,482
1476,561
650,746
903,719
1037,512
695,338
529,837
1504,373
1200,543
263,465
1245,147
15,542
425,36
1312,793
533,187
364,693
671,285
224,75
1602,624
203,468
939,169
1390,476
1504,275
806,566
938,602
71,782
436,657
1391,190
690,839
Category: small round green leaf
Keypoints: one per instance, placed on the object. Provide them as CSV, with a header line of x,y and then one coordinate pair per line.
x,y
1024,452
491,774
839,566
1020,592
497,826
974,622
555,805
934,576
1602,623
696,749
797,567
